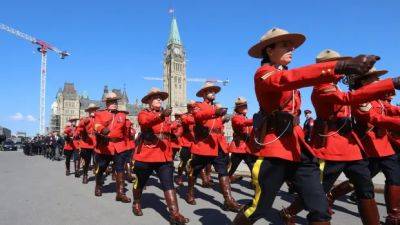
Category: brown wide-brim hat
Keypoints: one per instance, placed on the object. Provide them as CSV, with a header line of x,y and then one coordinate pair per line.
x,y
374,72
111,97
273,36
73,119
92,107
240,101
208,86
307,111
153,93
328,55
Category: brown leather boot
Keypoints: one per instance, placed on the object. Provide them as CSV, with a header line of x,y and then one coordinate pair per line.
x,y
337,192
136,206
204,180
229,203
121,197
241,219
368,211
190,198
76,165
99,185
288,215
393,205
235,178
85,179
175,217
113,176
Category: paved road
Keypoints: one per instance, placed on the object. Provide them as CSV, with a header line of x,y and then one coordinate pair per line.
x,y
35,191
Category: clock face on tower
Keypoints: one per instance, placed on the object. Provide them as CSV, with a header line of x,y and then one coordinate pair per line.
x,y
177,51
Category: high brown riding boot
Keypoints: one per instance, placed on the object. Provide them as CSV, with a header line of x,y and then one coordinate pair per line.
x,y
288,215
190,198
121,197
235,178
241,219
205,182
67,170
76,165
99,185
229,203
393,205
337,192
85,179
179,177
175,217
136,206
368,211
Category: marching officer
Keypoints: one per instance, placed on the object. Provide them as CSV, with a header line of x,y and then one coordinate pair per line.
x,y
87,143
187,139
240,145
337,145
70,147
308,125
111,133
279,140
154,153
131,132
177,131
210,145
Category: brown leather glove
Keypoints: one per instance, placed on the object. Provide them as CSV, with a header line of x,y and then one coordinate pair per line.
x,y
105,131
221,111
226,119
358,65
166,112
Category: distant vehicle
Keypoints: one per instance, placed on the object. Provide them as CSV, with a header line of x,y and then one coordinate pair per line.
x,y
9,145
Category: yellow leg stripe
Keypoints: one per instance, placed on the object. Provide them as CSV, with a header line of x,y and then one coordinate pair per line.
x,y
256,199
322,164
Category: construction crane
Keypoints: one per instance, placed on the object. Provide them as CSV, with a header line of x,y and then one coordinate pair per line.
x,y
202,80
43,47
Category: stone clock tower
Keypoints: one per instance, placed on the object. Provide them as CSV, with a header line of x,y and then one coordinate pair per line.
x,y
174,78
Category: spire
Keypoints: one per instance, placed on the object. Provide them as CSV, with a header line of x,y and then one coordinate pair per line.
x,y
174,37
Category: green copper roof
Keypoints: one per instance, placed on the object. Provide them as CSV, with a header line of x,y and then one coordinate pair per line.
x,y
174,37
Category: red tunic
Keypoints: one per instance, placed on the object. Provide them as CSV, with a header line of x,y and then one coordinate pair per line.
x,y
204,114
116,122
331,104
157,148
177,131
374,119
69,132
130,135
85,131
278,89
241,126
394,111
187,138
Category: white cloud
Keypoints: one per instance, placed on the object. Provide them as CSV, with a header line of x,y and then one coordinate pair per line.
x,y
30,118
17,116
20,117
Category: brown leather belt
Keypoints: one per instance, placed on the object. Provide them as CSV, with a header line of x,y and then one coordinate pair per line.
x,y
116,139
216,131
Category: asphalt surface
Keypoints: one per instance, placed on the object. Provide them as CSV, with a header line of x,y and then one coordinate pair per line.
x,y
35,191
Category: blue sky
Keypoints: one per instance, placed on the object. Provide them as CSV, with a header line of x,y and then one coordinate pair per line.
x,y
119,42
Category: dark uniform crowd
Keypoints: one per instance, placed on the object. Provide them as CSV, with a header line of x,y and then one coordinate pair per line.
x,y
355,132
50,146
